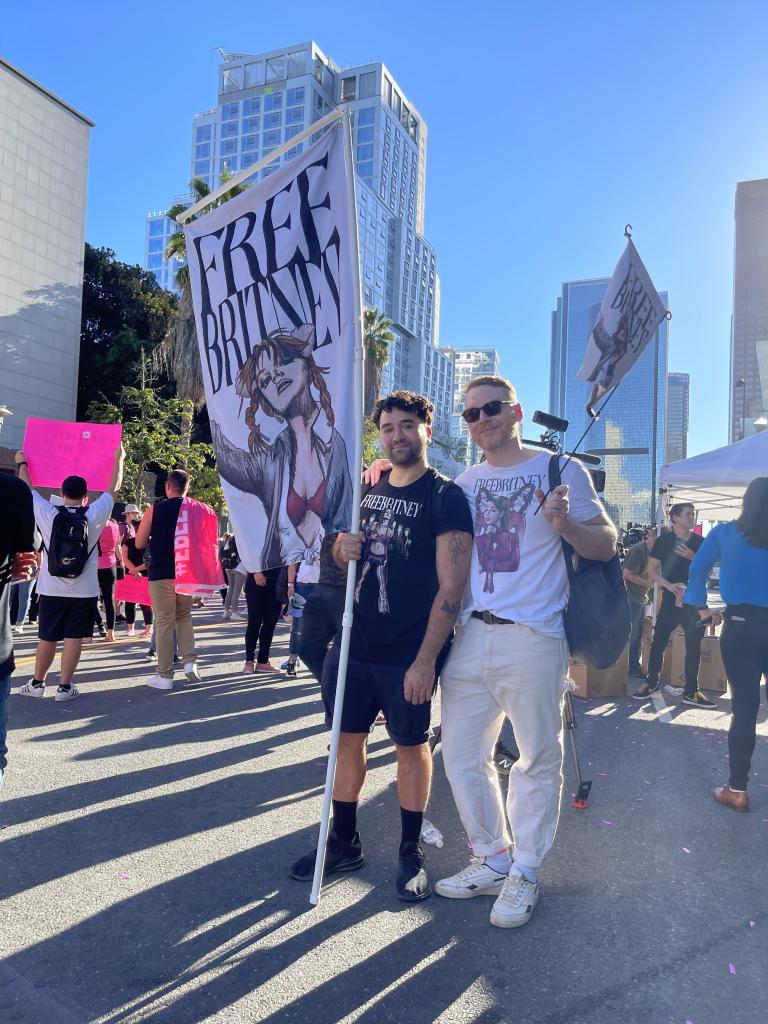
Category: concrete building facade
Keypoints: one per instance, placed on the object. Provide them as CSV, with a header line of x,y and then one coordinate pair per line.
x,y
42,240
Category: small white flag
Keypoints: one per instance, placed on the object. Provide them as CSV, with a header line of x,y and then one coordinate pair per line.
x,y
628,318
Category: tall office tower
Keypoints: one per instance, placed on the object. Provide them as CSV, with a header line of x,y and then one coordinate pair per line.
x,y
266,99
628,420
749,323
678,386
468,363
43,177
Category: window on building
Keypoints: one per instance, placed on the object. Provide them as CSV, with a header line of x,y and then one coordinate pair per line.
x,y
293,129
275,69
156,244
272,120
367,85
202,167
366,115
204,133
297,63
348,89
156,227
229,130
247,158
295,115
227,147
365,134
270,139
295,97
253,74
252,105
294,151
232,79
250,124
202,150
230,111
273,101
155,262
365,152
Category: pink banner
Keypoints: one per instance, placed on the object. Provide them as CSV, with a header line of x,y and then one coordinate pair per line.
x,y
196,549
57,449
133,588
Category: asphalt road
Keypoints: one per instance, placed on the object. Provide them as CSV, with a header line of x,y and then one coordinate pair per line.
x,y
145,839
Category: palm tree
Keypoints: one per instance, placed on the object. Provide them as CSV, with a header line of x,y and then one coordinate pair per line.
x,y
376,338
178,351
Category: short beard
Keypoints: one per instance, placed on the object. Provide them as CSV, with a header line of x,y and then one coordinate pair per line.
x,y
407,456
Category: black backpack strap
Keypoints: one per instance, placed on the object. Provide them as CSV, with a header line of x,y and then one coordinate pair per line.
x,y
554,481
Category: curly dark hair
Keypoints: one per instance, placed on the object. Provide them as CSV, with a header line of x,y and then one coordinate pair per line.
x,y
405,401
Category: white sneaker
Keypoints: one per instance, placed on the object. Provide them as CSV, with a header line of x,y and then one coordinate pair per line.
x,y
237,617
226,616
18,630
190,671
30,690
477,879
69,694
160,683
516,901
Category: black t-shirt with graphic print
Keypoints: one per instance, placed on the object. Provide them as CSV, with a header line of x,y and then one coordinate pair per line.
x,y
675,567
397,573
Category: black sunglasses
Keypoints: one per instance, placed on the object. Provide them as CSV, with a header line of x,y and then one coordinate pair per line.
x,y
493,408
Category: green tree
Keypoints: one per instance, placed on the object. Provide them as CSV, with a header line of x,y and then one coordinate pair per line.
x,y
370,441
125,312
178,352
156,435
376,339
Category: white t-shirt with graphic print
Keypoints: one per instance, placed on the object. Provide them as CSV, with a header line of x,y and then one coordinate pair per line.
x,y
518,569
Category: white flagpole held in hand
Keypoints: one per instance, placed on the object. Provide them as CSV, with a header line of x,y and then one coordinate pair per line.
x,y
346,629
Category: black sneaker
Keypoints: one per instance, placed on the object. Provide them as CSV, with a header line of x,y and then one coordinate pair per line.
x,y
413,881
102,631
503,759
120,618
339,858
645,691
290,670
698,700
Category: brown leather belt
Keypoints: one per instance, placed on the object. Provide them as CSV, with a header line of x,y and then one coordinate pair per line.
x,y
492,620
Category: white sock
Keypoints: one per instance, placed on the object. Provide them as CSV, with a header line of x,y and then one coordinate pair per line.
x,y
499,862
529,873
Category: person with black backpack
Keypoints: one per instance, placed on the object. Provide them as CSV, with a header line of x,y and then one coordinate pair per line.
x,y
68,584
510,655
413,554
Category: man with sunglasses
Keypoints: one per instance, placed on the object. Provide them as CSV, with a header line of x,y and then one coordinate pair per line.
x,y
510,656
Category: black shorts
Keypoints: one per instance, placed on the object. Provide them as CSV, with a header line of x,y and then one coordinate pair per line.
x,y
369,690
66,618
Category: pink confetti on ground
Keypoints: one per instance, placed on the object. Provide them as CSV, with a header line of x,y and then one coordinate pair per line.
x,y
731,969
7,824
647,782
603,774
685,849
752,924
607,822
126,875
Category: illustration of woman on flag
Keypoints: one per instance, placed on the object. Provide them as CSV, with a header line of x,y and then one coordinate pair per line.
x,y
301,476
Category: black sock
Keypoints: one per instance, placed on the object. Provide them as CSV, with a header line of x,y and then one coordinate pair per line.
x,y
345,820
65,686
411,824
38,682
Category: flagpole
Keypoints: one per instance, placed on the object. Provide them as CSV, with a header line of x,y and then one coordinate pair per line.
x,y
346,627
655,431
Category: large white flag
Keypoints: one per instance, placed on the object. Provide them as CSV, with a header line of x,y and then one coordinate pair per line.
x,y
273,274
630,313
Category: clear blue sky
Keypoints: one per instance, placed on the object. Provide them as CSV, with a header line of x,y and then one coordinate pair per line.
x,y
551,125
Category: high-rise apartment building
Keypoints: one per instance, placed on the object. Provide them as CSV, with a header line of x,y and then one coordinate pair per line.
x,y
266,99
43,176
468,363
749,323
678,387
628,420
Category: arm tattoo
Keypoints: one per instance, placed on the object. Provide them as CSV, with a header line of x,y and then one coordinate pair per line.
x,y
451,608
458,545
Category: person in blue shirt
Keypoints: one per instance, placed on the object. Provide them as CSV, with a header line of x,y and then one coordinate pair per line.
x,y
741,548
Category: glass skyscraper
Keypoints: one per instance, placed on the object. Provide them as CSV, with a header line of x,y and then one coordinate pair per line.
x,y
628,420
749,324
678,386
468,363
266,99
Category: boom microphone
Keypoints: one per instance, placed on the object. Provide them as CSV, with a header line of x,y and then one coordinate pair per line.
x,y
545,419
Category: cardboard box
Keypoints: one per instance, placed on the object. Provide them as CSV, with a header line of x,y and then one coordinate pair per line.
x,y
711,670
600,682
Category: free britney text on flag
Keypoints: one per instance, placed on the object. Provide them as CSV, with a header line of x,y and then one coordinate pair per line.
x,y
273,273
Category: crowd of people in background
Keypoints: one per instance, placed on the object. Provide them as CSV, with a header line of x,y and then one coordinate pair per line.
x,y
460,582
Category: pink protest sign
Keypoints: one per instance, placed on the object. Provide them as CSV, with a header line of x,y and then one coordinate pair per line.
x,y
56,450
132,588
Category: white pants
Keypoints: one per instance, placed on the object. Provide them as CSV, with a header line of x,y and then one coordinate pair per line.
x,y
494,671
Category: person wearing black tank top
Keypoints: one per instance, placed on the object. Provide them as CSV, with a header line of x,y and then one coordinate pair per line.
x,y
171,610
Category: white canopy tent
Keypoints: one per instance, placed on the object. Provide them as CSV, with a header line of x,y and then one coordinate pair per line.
x,y
715,481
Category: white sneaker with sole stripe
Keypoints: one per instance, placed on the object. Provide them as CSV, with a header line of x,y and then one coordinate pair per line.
x,y
69,694
30,690
516,901
477,879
